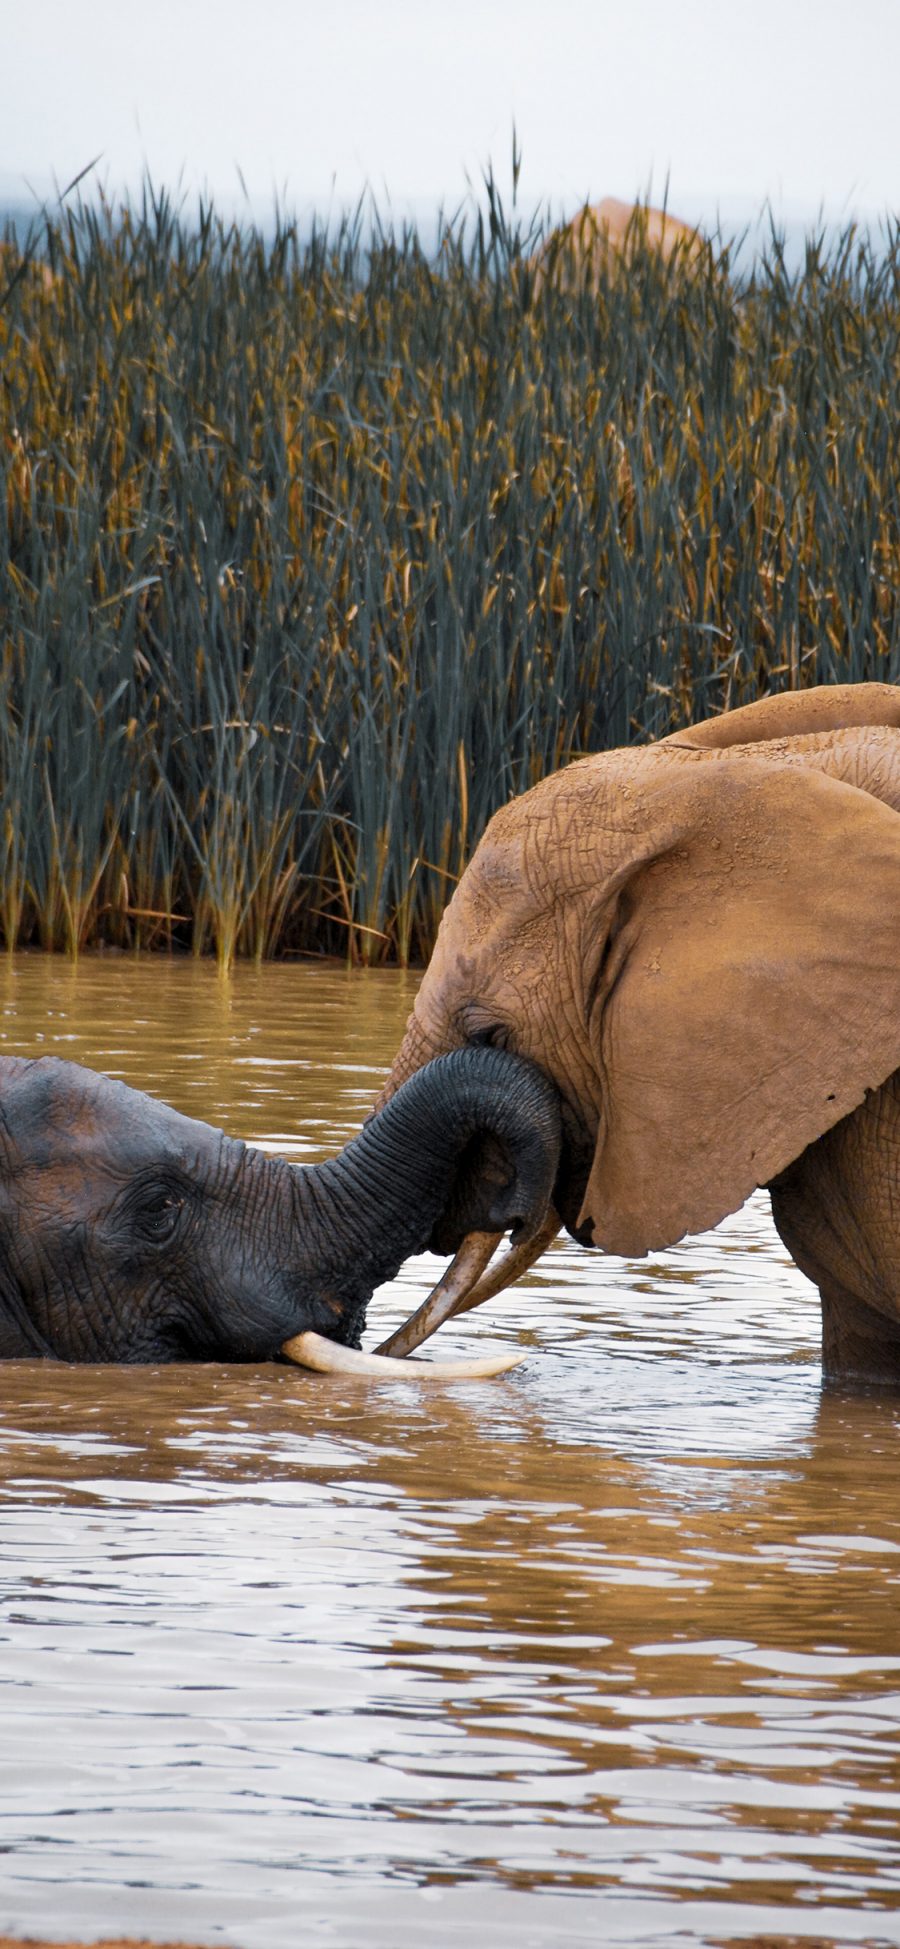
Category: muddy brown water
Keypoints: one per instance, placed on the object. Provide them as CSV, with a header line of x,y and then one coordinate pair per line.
x,y
607,1651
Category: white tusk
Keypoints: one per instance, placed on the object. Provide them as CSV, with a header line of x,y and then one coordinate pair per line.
x,y
447,1296
326,1357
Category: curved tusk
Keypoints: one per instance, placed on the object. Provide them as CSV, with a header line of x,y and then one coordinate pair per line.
x,y
519,1259
326,1357
466,1283
446,1298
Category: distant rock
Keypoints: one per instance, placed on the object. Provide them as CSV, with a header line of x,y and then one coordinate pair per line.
x,y
601,231
11,263
108,1942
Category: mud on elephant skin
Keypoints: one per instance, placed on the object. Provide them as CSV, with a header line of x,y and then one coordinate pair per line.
x,y
129,1232
698,942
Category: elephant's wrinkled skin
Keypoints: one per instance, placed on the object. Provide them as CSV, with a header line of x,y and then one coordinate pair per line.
x,y
699,943
131,1233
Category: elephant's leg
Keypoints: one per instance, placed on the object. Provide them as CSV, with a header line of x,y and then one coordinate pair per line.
x,y
858,1343
838,1211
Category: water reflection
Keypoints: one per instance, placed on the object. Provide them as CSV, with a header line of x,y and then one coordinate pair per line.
x,y
608,1651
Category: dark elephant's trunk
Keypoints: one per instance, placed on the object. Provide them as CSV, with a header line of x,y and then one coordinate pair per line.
x,y
469,1143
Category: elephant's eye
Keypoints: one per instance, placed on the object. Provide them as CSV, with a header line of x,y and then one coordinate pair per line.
x,y
157,1215
490,1035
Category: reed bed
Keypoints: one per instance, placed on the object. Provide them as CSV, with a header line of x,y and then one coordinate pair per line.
x,y
313,552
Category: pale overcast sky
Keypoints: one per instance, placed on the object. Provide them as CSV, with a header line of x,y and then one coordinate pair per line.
x,y
734,103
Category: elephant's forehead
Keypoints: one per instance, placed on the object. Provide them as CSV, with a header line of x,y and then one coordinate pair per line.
x,y
597,803
55,1111
513,936
560,839
508,941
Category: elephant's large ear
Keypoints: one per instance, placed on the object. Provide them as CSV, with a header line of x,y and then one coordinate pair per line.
x,y
749,993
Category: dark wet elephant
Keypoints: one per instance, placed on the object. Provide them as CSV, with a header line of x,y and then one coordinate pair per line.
x,y
129,1232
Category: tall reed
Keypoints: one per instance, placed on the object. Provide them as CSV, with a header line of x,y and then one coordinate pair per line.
x,y
313,552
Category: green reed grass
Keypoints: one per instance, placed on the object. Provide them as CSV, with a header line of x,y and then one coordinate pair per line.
x,y
313,553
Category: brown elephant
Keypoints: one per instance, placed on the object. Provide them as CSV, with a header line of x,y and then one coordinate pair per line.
x,y
698,942
610,229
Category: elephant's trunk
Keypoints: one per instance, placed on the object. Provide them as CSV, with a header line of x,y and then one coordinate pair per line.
x,y
469,1143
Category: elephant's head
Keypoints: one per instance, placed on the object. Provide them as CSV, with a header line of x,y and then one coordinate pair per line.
x,y
698,943
129,1232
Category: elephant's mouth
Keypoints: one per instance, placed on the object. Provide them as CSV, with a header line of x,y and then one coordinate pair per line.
x,y
468,1282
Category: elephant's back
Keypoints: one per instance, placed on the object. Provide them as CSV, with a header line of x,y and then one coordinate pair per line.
x,y
865,756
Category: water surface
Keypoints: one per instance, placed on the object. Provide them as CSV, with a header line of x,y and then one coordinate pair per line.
x,y
607,1651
